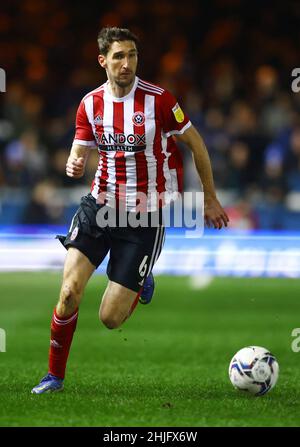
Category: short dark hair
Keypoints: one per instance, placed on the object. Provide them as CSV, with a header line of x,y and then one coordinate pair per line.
x,y
109,35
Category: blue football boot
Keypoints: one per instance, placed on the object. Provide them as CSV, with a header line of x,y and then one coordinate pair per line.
x,y
48,384
148,290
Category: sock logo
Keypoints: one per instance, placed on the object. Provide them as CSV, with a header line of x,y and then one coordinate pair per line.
x,y
55,344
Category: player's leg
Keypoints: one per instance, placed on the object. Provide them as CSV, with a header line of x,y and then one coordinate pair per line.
x,y
117,304
132,257
87,246
77,271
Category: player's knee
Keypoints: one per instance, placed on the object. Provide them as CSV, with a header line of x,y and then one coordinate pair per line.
x,y
110,321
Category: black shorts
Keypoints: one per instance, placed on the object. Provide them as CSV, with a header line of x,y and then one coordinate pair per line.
x,y
133,251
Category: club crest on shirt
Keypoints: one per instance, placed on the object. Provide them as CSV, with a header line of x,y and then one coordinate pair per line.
x,y
178,113
138,118
98,120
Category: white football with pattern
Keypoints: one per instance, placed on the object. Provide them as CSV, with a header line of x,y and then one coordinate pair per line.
x,y
254,369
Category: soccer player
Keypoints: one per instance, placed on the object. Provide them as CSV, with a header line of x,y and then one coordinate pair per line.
x,y
131,122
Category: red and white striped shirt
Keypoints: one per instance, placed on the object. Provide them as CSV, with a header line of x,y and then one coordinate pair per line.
x,y
137,153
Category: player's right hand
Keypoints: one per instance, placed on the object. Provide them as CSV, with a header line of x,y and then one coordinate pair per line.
x,y
75,167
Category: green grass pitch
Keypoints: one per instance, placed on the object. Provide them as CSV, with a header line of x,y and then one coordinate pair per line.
x,y
166,366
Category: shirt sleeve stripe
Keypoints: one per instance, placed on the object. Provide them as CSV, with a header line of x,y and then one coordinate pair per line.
x,y
85,143
181,131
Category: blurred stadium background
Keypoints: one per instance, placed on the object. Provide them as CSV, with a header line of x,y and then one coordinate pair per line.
x,y
229,62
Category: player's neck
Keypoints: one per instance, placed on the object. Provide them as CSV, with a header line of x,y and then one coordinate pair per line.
x,y
117,91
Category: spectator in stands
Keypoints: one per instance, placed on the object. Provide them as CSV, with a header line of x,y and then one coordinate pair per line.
x,y
46,205
25,160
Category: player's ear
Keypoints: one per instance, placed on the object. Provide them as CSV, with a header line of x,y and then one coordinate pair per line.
x,y
102,60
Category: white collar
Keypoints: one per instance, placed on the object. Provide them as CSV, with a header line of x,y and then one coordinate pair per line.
x,y
123,98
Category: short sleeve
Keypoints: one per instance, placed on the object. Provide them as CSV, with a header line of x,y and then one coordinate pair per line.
x,y
84,132
174,120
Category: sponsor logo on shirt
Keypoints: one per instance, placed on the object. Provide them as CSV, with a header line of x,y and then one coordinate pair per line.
x,y
121,142
178,113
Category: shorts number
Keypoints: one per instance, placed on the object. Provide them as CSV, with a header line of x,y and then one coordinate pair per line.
x,y
143,266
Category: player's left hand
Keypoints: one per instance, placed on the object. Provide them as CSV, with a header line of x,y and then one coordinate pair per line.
x,y
214,214
75,167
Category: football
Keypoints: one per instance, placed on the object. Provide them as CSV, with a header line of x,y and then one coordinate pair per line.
x,y
254,369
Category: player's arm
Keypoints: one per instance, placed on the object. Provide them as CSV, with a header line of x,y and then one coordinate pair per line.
x,y
213,211
77,160
83,142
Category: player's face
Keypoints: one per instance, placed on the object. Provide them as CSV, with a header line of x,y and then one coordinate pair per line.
x,y
120,62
